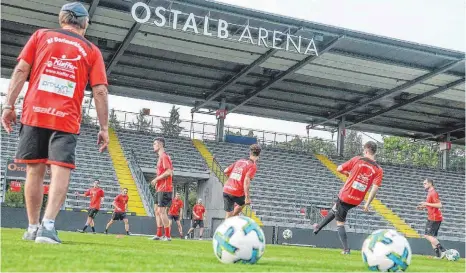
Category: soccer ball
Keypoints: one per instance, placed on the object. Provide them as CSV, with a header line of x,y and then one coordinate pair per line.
x,y
239,240
452,255
386,250
287,234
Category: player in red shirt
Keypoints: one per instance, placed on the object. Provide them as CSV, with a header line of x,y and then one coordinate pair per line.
x,y
236,189
164,187
97,196
199,214
120,205
434,217
175,213
59,64
362,172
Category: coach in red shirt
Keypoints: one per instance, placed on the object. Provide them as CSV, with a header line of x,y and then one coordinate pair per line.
x,y
59,64
434,217
362,172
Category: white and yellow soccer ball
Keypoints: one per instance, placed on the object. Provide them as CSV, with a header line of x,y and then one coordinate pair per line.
x,y
287,234
239,240
452,255
386,250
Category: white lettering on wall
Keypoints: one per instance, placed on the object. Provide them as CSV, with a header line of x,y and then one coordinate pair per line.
x,y
222,29
251,35
246,34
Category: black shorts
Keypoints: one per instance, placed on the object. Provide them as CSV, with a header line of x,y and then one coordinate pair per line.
x,y
229,201
341,210
41,145
174,217
118,216
197,223
164,199
92,213
432,227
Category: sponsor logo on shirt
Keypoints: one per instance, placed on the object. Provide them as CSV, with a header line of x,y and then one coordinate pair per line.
x,y
57,85
63,63
49,111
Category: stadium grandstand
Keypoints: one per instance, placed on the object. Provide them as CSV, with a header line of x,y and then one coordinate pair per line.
x,y
221,59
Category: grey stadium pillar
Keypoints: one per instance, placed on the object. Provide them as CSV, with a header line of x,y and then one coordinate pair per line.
x,y
220,122
341,137
446,155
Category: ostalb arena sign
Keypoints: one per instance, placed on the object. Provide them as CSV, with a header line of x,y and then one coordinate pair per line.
x,y
18,171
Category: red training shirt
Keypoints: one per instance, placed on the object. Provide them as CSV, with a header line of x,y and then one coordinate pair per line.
x,y
121,201
62,62
96,194
363,172
199,210
175,207
166,184
236,173
433,214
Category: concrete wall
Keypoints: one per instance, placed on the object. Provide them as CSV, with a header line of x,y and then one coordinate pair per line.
x,y
211,193
71,220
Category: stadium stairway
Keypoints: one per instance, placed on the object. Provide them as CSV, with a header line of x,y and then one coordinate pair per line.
x,y
218,171
377,205
123,174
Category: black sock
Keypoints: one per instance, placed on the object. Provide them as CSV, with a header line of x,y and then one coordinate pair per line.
x,y
106,230
329,218
437,251
343,237
127,232
93,229
442,249
84,228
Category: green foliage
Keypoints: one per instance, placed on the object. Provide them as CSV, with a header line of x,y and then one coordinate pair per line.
x,y
240,133
353,143
113,120
401,150
315,145
15,199
457,157
141,123
171,127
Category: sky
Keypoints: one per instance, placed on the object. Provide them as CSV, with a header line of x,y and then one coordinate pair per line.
x,y
431,22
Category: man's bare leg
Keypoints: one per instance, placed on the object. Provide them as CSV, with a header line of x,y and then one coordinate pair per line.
x,y
34,191
57,194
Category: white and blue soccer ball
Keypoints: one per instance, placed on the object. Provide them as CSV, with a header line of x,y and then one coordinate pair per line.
x,y
287,234
239,240
452,255
386,250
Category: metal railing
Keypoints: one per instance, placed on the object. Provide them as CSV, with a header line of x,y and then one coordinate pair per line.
x,y
141,183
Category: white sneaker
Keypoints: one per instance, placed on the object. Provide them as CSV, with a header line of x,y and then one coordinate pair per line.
x,y
155,238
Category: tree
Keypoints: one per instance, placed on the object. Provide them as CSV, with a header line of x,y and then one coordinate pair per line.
x,y
113,120
171,127
457,157
141,123
401,150
353,143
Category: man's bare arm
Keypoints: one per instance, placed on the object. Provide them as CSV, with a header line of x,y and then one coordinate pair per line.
x,y
101,105
371,197
18,78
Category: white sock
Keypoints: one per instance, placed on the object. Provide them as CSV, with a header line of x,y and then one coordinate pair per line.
x,y
48,224
33,228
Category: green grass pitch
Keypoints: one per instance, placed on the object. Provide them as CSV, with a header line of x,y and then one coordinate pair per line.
x,y
99,252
